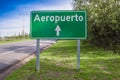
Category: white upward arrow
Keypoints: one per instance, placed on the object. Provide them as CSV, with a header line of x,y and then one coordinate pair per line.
x,y
57,29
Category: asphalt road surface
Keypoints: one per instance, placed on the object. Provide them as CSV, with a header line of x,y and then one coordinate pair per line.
x,y
13,52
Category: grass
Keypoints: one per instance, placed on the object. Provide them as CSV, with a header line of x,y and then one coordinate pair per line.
x,y
10,41
59,63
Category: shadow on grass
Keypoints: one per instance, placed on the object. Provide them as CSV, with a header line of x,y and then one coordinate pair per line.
x,y
70,49
93,70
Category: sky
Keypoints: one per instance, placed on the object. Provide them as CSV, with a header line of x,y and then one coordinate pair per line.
x,y
15,14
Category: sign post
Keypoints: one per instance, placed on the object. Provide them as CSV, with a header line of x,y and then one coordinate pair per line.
x,y
78,54
37,55
58,24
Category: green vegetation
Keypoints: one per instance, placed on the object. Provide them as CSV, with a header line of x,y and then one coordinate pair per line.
x,y
9,41
103,22
59,63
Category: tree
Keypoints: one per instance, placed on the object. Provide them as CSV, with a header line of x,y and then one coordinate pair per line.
x,y
103,22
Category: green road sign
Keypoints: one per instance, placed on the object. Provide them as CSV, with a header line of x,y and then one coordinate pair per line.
x,y
58,24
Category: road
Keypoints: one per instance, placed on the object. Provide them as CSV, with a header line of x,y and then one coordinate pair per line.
x,y
13,52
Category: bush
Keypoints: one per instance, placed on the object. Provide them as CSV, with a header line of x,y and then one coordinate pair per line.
x,y
103,22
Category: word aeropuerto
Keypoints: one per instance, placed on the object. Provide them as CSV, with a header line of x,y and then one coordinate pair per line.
x,y
57,18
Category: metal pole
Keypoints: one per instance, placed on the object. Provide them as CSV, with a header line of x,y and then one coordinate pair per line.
x,y
78,54
23,26
37,55
23,23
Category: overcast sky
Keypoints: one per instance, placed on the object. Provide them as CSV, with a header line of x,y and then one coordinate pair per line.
x,y
12,13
